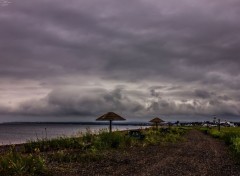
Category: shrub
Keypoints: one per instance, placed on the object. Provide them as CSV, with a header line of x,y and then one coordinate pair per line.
x,y
163,135
152,136
107,140
215,133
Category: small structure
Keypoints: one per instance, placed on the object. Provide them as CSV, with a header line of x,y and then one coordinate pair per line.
x,y
110,116
157,121
136,134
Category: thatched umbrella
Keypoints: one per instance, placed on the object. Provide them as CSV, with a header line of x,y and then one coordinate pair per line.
x,y
110,116
157,121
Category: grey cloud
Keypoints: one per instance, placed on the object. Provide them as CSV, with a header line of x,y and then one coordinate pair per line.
x,y
78,102
161,54
154,93
211,107
224,98
157,87
183,52
5,109
203,94
89,103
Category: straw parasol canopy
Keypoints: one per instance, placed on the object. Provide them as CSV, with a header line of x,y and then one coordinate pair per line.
x,y
157,121
110,116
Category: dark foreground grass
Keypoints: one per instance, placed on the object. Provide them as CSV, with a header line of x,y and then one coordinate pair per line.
x,y
231,136
15,163
34,157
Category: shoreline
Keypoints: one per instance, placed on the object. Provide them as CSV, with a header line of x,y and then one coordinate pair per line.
x,y
6,147
19,134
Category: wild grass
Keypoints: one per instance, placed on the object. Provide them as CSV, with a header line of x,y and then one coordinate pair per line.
x,y
52,144
70,156
162,135
231,136
15,163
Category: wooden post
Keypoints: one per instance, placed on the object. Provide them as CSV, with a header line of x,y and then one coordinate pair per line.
x,y
110,126
219,124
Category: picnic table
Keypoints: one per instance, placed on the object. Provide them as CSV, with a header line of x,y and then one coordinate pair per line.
x,y
136,134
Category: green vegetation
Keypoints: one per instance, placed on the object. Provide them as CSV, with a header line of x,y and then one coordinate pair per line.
x,y
14,163
53,144
231,136
36,155
162,135
85,141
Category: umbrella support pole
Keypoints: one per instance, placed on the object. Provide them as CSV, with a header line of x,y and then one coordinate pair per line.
x,y
110,126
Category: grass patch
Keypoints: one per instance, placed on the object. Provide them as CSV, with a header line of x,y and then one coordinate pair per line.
x,y
154,136
230,135
53,144
15,163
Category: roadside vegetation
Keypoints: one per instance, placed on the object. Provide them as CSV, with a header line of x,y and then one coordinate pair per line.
x,y
231,136
16,163
34,157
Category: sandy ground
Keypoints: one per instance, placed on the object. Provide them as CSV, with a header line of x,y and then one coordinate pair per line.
x,y
199,154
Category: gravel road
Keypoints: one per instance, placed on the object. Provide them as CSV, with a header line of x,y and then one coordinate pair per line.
x,y
199,154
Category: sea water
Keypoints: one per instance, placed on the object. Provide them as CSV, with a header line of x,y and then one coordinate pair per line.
x,y
21,133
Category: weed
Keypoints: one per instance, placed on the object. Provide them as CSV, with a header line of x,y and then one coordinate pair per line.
x,y
231,137
15,163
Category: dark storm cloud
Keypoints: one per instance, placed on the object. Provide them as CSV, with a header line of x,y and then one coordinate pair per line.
x,y
94,102
91,102
182,58
203,94
4,109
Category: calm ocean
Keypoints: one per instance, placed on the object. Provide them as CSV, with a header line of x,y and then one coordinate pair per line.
x,y
20,133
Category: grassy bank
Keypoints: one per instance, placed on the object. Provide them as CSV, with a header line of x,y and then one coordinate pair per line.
x,y
231,136
36,157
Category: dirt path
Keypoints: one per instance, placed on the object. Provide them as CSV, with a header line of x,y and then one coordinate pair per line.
x,y
198,155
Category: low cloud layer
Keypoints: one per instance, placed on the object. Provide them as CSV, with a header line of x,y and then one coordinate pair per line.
x,y
94,102
136,57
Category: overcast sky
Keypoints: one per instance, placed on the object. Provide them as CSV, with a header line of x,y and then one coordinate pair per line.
x,y
78,59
